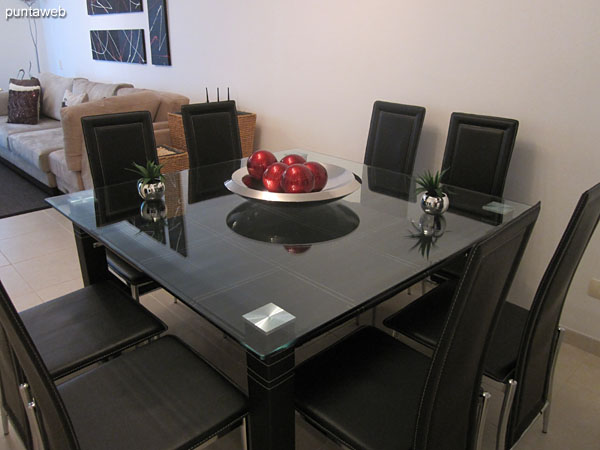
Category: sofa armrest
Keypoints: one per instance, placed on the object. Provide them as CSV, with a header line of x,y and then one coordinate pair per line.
x,y
162,137
169,102
4,103
71,120
164,124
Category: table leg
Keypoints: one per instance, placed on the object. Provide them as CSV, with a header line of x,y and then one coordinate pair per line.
x,y
271,389
92,258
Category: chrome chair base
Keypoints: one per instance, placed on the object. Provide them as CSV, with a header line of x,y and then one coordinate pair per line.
x,y
509,395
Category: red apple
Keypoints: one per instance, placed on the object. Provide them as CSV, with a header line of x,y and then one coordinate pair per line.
x,y
320,174
272,177
258,163
297,178
251,182
293,159
297,249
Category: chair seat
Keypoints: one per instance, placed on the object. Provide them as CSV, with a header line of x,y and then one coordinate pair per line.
x,y
423,319
126,270
159,396
87,325
501,359
367,387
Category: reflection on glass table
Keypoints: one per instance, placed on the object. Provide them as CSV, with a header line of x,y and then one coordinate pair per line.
x,y
160,219
296,227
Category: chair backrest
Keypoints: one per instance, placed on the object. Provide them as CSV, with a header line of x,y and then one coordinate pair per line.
x,y
449,404
478,151
9,385
57,429
394,136
114,141
538,340
212,132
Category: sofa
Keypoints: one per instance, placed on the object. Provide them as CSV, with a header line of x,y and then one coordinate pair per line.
x,y
52,153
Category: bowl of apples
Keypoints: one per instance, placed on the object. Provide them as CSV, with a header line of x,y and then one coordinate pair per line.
x,y
291,179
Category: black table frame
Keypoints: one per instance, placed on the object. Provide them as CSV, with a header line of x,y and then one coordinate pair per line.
x,y
271,424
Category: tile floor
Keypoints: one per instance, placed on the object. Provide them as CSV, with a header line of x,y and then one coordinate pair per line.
x,y
38,261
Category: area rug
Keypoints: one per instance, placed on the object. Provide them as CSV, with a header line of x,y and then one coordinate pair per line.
x,y
18,195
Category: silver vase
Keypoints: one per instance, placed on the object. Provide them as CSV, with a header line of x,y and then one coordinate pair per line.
x,y
432,204
153,210
151,191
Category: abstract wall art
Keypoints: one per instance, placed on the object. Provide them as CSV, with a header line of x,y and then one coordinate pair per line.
x,y
95,7
159,32
119,45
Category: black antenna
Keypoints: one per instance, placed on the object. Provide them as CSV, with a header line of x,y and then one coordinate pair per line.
x,y
228,94
218,99
207,100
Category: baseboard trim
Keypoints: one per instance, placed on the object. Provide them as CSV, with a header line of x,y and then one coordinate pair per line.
x,y
582,341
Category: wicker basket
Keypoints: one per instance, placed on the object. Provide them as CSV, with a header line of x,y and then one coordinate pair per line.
x,y
172,159
246,122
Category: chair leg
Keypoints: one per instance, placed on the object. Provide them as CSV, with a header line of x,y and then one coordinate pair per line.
x,y
244,429
483,410
4,420
560,334
32,417
509,395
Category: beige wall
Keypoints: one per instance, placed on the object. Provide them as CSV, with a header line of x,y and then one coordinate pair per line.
x,y
16,49
312,69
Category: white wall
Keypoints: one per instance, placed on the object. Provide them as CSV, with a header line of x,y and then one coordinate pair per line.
x,y
312,69
16,50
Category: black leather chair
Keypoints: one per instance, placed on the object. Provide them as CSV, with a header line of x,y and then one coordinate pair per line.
x,y
113,142
477,157
526,343
394,136
212,133
72,332
370,391
478,152
160,396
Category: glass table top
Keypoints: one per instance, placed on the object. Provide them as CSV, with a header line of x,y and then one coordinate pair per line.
x,y
274,275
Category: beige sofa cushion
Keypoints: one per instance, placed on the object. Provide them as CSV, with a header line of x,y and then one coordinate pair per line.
x,y
71,120
53,91
66,180
169,102
97,91
7,129
35,146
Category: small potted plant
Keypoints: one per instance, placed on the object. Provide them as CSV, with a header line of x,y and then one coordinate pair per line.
x,y
434,200
151,185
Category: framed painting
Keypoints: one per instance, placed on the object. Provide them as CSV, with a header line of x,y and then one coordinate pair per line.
x,y
159,32
95,7
119,45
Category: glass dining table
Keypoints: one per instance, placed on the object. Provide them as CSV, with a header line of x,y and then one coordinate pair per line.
x,y
274,275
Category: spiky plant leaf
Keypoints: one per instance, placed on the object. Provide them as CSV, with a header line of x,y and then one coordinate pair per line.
x,y
150,173
431,183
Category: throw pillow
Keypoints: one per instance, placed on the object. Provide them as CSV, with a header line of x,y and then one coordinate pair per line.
x,y
97,91
70,99
24,98
53,89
